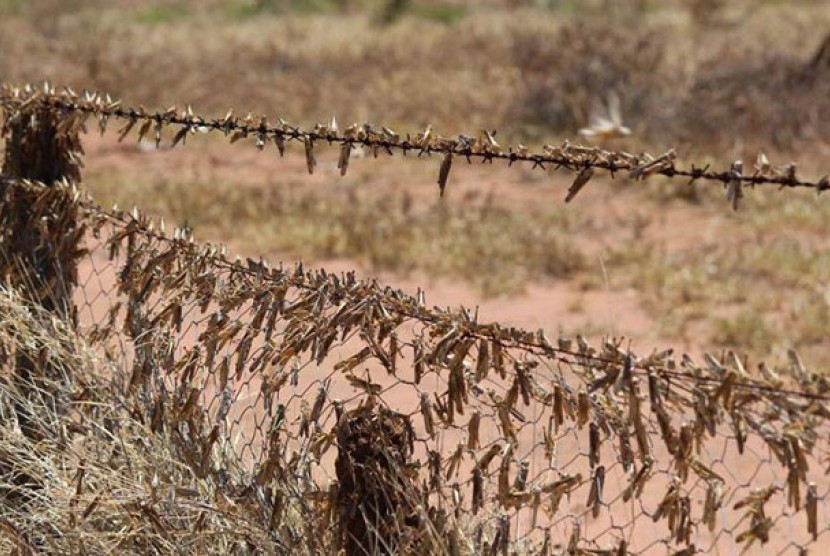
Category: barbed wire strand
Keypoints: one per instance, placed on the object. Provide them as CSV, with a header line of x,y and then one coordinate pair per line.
x,y
483,147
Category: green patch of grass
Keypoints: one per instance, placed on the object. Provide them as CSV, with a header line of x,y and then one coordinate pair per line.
x,y
12,7
161,14
745,330
441,13
248,9
242,10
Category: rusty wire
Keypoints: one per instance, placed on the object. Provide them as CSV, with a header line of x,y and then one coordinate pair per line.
x,y
490,439
582,160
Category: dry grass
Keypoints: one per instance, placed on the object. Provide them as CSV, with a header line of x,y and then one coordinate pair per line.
x,y
755,281
102,481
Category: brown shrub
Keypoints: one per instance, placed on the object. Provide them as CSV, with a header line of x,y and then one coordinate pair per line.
x,y
564,73
764,100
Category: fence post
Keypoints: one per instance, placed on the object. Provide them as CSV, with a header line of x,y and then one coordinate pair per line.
x,y
39,237
377,502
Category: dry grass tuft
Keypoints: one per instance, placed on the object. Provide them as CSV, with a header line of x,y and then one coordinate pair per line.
x,y
103,482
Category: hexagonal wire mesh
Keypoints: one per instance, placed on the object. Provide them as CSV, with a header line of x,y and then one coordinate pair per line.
x,y
517,444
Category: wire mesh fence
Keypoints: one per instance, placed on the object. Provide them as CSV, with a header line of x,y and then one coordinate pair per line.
x,y
321,412
502,440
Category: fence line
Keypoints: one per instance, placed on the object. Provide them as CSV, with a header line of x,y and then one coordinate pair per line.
x,y
582,160
298,399
814,387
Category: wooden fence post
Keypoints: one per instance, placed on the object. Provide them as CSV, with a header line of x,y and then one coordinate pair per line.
x,y
376,501
39,236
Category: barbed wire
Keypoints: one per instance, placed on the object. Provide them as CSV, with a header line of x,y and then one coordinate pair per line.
x,y
580,159
250,374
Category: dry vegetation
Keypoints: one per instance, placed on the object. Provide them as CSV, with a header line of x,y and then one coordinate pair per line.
x,y
100,481
221,360
683,81
496,248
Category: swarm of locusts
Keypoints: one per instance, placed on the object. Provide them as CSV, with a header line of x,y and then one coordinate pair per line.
x,y
516,441
480,389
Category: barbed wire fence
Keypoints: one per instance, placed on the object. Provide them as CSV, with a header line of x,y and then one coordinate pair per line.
x,y
483,147
334,413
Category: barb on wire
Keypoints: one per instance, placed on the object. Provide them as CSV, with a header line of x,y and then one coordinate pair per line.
x,y
582,160
253,375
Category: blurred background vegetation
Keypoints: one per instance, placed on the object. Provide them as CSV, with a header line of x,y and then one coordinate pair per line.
x,y
703,74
